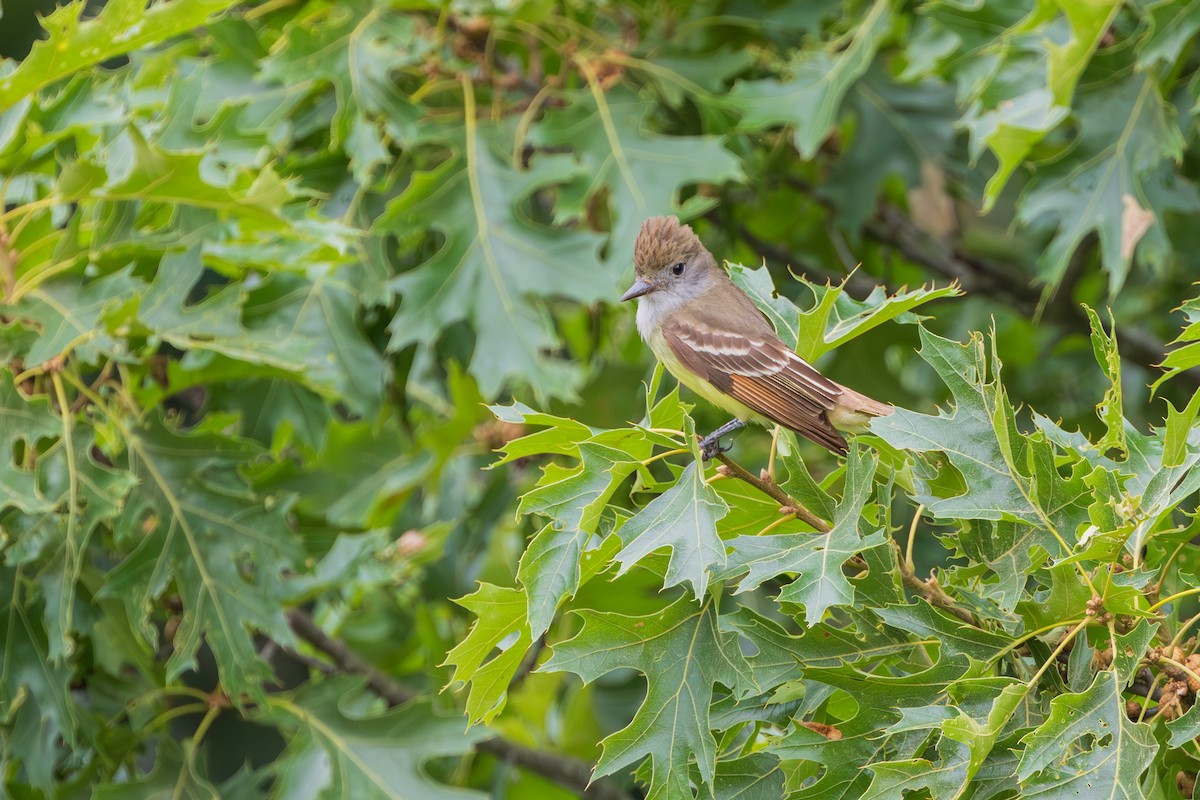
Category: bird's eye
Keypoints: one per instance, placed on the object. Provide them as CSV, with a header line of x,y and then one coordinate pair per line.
x,y
678,268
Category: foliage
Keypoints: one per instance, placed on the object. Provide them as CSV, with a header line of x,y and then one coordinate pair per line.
x,y
332,467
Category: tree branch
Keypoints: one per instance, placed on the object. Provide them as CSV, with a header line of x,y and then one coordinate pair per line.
x,y
347,660
932,591
568,772
787,503
929,588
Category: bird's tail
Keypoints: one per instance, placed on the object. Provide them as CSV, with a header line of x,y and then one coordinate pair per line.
x,y
854,410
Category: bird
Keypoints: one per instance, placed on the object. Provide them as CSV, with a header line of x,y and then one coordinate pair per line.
x,y
709,334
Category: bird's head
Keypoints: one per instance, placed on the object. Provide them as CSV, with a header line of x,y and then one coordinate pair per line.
x,y
669,258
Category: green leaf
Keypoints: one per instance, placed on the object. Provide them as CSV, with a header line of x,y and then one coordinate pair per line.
x,y
365,474
1185,728
1111,409
356,49
119,27
999,472
637,171
1130,648
943,778
755,777
976,717
781,657
143,172
904,130
197,526
500,615
572,498
36,708
1117,184
172,778
306,328
836,318
574,501
1173,24
1113,751
1089,22
864,740
684,519
980,737
1011,550
816,558
70,318
810,100
25,421
682,653
318,320
91,495
337,750
495,267
1024,111
954,635
1066,598
1178,431
1183,353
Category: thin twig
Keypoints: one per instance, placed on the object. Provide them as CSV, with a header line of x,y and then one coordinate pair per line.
x,y
931,590
787,503
347,660
571,773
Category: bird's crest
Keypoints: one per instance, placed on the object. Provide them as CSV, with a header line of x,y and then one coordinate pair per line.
x,y
664,241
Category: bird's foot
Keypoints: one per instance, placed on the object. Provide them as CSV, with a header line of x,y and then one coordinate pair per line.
x,y
710,446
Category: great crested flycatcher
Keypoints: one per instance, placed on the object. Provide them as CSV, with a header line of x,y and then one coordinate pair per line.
x,y
711,337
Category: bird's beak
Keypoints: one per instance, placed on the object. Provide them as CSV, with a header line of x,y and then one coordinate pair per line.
x,y
639,288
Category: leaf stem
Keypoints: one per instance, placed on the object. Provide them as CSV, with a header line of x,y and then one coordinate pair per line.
x,y
1066,640
1015,643
912,535
173,713
780,521
1174,597
1157,587
1179,633
664,454
72,547
666,431
774,448
1149,696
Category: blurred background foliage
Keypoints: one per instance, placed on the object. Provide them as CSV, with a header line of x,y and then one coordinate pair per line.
x,y
265,265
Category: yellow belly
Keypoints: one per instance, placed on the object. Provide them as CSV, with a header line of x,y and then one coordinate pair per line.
x,y
691,380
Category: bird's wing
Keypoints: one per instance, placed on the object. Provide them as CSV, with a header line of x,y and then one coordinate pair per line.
x,y
761,372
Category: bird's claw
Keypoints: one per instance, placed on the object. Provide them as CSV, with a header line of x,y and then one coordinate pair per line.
x,y
710,448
